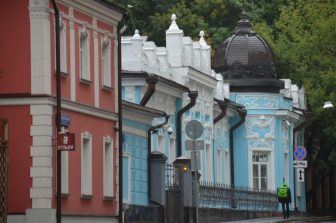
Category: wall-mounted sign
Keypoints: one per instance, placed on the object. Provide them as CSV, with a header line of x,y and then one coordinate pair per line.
x,y
300,164
65,120
66,141
300,175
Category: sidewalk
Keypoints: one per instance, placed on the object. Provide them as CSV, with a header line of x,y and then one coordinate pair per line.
x,y
291,219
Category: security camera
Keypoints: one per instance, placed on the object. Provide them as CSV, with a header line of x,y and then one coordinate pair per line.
x,y
170,130
287,123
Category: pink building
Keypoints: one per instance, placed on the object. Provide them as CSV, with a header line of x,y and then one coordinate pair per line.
x,y
88,46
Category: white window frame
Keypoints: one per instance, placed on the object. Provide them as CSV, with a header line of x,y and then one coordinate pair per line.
x,y
209,162
84,54
86,165
106,62
220,165
172,149
65,172
227,176
270,167
108,167
128,200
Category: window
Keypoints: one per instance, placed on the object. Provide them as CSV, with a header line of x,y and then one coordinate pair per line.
x,y
65,172
260,170
126,178
108,167
208,161
84,54
86,165
219,166
172,151
161,143
106,62
227,167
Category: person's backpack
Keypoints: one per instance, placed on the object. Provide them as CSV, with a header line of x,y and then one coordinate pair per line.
x,y
282,192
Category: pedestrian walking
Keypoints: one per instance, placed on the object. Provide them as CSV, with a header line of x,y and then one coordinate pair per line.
x,y
284,197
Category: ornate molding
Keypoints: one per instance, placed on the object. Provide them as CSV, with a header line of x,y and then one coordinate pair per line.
x,y
260,131
258,101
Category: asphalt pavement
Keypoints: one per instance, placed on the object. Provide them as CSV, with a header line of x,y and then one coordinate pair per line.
x,y
294,219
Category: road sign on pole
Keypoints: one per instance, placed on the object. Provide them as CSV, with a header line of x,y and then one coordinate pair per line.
x,y
300,174
300,153
194,144
300,164
194,129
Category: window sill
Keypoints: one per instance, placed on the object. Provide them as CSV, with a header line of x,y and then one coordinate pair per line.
x,y
86,196
85,81
107,88
64,195
108,198
63,74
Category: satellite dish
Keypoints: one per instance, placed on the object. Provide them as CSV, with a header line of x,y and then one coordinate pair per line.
x,y
194,129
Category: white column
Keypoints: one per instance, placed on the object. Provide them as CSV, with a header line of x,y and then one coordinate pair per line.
x,y
174,44
72,58
40,49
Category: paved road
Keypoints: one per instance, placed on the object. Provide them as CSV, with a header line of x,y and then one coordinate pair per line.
x,y
295,219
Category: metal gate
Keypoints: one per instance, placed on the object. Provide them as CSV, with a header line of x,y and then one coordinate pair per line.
x,y
3,169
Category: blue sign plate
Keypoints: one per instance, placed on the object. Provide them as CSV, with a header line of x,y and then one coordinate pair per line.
x,y
300,153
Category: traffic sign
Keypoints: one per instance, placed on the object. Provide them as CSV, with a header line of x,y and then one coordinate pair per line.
x,y
300,164
300,153
194,129
194,144
300,175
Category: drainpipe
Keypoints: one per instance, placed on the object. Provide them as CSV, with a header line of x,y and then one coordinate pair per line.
x,y
120,132
193,96
149,179
58,115
223,107
151,81
242,114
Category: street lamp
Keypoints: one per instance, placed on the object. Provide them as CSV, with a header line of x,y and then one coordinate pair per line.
x,y
328,104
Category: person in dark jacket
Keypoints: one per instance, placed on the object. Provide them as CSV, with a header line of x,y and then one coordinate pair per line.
x,y
284,197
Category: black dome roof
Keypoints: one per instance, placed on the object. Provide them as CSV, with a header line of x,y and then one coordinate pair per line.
x,y
246,61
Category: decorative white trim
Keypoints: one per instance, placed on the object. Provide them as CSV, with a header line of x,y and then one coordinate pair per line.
x,y
69,105
116,71
108,167
86,164
202,78
65,172
96,9
127,155
96,69
72,58
134,131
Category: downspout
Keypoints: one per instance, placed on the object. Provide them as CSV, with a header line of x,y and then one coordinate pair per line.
x,y
120,131
223,106
58,116
242,114
193,96
151,81
149,179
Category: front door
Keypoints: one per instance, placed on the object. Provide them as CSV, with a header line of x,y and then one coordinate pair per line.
x,y
3,169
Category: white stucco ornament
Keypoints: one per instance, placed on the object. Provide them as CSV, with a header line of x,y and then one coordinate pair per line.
x,y
173,25
136,34
202,41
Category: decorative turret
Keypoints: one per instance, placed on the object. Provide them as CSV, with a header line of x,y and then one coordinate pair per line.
x,y
174,43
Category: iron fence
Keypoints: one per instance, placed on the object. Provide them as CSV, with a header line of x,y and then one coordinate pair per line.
x,y
215,195
171,176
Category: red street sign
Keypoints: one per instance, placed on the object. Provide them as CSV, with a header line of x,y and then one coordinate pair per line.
x,y
66,141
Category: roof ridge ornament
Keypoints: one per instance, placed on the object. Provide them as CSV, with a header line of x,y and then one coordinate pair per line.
x,y
202,41
136,34
244,26
173,25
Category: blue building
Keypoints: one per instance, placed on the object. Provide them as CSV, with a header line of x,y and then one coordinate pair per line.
x,y
248,114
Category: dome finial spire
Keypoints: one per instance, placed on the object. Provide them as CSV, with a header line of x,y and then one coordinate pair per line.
x,y
173,25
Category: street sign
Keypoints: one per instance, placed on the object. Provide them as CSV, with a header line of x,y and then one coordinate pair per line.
x,y
300,153
300,175
66,141
300,164
194,129
196,145
65,120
